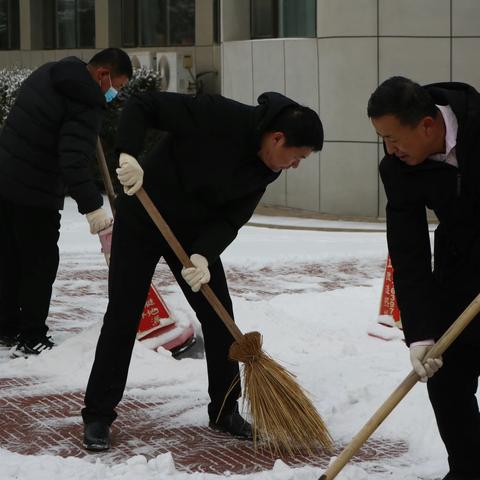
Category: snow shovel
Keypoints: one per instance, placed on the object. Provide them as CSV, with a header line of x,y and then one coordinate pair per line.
x,y
157,325
394,399
282,415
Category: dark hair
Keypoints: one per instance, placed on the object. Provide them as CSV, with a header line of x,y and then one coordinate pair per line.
x,y
300,125
403,98
115,58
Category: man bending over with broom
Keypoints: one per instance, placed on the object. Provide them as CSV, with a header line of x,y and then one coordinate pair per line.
x,y
206,177
432,141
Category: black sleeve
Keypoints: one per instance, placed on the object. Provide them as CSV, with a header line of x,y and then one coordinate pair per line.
x,y
219,234
409,248
178,114
76,149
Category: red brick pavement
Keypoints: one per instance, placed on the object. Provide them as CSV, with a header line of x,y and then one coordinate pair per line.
x,y
34,424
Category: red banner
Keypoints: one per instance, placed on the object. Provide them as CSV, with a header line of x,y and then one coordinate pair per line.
x,y
389,313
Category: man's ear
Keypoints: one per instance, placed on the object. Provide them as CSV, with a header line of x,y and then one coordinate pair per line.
x,y
100,73
279,138
428,124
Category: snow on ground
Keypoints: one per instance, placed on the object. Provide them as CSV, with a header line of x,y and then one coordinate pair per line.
x,y
318,333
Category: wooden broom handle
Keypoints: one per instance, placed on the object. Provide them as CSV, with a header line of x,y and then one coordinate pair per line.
x,y
394,399
174,244
107,181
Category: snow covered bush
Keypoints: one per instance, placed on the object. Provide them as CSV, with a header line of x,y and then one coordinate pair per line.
x,y
10,81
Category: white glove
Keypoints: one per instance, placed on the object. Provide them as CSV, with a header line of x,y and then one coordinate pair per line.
x,y
130,174
427,369
199,274
98,220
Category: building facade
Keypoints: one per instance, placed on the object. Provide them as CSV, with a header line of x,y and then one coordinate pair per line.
x,y
328,54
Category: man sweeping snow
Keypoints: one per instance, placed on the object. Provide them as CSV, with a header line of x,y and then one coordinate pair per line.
x,y
206,177
431,136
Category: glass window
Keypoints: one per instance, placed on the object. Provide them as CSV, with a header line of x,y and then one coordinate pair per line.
x,y
69,23
264,15
49,26
86,23
66,24
9,25
181,22
216,21
150,23
153,22
298,18
129,23
283,18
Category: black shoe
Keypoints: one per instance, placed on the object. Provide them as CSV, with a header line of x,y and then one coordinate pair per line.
x,y
234,424
8,340
28,347
96,436
456,476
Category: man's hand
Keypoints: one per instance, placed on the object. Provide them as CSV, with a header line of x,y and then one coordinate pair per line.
x,y
426,369
130,174
199,274
98,220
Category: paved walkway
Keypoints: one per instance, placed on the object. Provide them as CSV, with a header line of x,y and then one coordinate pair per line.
x,y
38,423
50,424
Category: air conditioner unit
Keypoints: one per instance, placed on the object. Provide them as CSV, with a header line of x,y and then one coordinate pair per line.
x,y
176,72
143,60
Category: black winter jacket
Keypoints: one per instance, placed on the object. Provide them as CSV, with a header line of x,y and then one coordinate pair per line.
x,y
205,177
429,300
49,138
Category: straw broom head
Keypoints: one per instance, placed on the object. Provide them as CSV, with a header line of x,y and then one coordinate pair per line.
x,y
282,415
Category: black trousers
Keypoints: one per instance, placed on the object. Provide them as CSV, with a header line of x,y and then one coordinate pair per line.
x,y
28,266
137,246
452,395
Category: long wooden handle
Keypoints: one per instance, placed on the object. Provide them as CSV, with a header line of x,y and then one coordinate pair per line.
x,y
394,399
177,248
107,181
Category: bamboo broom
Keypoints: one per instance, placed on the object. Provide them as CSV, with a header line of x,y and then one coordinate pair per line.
x,y
282,415
399,393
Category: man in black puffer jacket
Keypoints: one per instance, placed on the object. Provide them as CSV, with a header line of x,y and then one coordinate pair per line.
x,y
432,141
46,144
206,177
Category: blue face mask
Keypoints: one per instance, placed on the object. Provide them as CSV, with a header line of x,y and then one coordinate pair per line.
x,y
110,94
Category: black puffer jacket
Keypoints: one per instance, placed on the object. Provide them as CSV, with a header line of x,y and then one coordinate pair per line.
x,y
49,138
430,300
205,177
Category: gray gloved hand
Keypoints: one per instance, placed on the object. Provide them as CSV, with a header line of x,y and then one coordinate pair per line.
x,y
426,369
130,174
98,220
199,274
